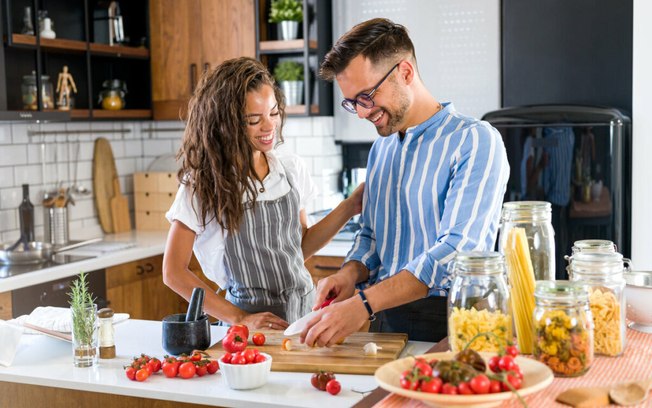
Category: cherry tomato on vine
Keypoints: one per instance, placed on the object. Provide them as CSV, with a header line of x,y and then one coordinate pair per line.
x,y
511,351
187,370
142,374
480,384
213,366
131,373
433,385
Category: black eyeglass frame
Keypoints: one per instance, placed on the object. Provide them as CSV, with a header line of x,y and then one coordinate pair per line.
x,y
365,99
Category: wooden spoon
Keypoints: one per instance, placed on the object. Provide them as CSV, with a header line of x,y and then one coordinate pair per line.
x,y
631,393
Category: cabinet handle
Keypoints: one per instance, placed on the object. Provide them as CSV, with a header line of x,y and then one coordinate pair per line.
x,y
140,270
327,268
193,77
207,66
42,298
149,267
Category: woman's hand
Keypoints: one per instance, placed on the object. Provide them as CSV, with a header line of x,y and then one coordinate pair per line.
x,y
355,200
264,320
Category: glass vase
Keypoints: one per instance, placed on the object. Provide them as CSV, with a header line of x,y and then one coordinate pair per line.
x,y
85,335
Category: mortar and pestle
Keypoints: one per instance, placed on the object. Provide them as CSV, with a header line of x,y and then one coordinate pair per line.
x,y
183,333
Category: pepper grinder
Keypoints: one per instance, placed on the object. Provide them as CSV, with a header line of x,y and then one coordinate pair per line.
x,y
107,340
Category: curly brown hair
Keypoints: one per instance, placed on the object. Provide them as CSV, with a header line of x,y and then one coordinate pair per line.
x,y
378,39
216,152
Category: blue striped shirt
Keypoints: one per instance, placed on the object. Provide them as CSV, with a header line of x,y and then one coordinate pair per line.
x,y
434,193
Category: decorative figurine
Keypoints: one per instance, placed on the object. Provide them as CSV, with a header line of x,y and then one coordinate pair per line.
x,y
65,84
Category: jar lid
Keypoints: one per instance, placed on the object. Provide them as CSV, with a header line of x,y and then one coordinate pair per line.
x,y
479,262
597,258
595,245
105,313
561,291
534,210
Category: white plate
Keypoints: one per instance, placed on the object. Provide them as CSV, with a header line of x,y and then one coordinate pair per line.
x,y
536,376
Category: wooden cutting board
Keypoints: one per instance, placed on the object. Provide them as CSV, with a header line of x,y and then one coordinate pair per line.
x,y
119,209
104,172
346,358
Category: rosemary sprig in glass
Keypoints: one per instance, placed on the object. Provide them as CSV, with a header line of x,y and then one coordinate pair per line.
x,y
83,314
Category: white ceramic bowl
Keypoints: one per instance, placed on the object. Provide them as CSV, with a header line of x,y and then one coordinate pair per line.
x,y
637,294
247,376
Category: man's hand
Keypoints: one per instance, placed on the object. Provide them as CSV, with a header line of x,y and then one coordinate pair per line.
x,y
335,322
341,286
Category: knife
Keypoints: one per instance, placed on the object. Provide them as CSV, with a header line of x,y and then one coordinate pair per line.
x,y
298,326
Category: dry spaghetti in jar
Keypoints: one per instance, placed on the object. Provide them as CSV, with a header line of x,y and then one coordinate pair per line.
x,y
479,302
563,327
602,274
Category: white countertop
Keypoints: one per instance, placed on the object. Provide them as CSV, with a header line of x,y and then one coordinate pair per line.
x,y
147,243
335,248
46,361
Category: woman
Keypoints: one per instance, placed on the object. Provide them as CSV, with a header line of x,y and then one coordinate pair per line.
x,y
240,207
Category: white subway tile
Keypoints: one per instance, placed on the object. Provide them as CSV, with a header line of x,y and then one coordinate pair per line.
x,y
8,220
133,148
79,127
27,175
297,127
10,198
155,148
125,166
10,236
118,149
5,134
86,150
81,209
11,155
6,176
323,126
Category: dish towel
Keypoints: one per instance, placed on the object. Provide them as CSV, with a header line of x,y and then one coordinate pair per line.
x,y
9,338
54,318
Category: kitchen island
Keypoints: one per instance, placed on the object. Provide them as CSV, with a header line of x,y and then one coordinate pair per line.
x,y
42,374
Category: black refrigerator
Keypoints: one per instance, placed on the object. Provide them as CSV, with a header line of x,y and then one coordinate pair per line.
x,y
578,158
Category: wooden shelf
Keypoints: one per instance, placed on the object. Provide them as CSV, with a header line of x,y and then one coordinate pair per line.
x,y
48,44
119,51
80,114
300,109
286,46
122,114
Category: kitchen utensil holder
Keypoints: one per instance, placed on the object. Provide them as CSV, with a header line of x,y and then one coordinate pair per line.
x,y
56,229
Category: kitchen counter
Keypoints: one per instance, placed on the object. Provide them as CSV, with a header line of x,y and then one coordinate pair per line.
x,y
47,362
145,244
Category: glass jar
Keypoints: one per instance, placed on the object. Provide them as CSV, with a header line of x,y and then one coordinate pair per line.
x,y
602,274
28,90
478,302
112,97
563,327
594,245
535,217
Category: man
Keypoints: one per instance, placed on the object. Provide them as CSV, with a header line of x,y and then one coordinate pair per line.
x,y
434,187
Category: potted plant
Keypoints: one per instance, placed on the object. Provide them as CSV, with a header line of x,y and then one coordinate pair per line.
x,y
287,14
289,75
83,313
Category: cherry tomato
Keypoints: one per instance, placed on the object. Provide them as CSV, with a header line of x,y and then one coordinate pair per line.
x,y
171,369
201,370
493,364
238,359
333,387
258,339
480,384
154,365
511,350
234,342
196,356
213,366
142,374
423,368
464,388
187,370
239,328
432,385
320,379
506,363
260,358
408,381
226,358
249,355
494,387
131,373
449,389
513,381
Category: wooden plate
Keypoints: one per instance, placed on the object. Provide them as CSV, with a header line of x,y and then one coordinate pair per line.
x,y
536,376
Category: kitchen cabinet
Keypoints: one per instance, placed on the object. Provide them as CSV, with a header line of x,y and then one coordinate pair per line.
x,y
314,42
137,288
5,306
90,63
187,39
323,266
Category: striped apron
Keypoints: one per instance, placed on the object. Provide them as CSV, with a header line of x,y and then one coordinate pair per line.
x,y
264,260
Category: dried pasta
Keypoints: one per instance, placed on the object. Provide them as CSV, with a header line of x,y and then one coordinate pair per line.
x,y
465,324
607,336
521,280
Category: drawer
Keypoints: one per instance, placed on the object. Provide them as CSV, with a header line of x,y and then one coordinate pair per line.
x,y
158,202
135,271
323,266
151,221
156,182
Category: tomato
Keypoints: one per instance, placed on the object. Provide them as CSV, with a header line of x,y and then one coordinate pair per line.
x,y
493,364
517,371
201,370
154,365
260,358
423,368
513,381
226,358
196,356
506,363
449,389
142,374
131,373
249,355
171,369
464,388
321,378
333,387
234,342
494,387
187,370
258,339
239,328
480,384
213,366
408,381
238,358
511,350
432,385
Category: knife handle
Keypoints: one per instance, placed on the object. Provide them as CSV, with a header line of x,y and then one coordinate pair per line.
x,y
327,302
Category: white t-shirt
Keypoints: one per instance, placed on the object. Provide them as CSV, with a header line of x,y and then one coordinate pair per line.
x,y
209,242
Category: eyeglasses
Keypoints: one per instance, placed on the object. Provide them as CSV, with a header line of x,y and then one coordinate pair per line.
x,y
365,99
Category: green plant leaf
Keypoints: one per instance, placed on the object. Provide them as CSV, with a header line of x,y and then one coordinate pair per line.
x,y
285,10
82,312
288,71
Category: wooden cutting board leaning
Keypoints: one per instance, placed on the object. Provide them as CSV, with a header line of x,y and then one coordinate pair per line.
x,y
119,209
104,172
346,358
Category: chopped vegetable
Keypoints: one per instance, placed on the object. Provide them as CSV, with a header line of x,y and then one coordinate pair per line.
x,y
371,349
286,345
